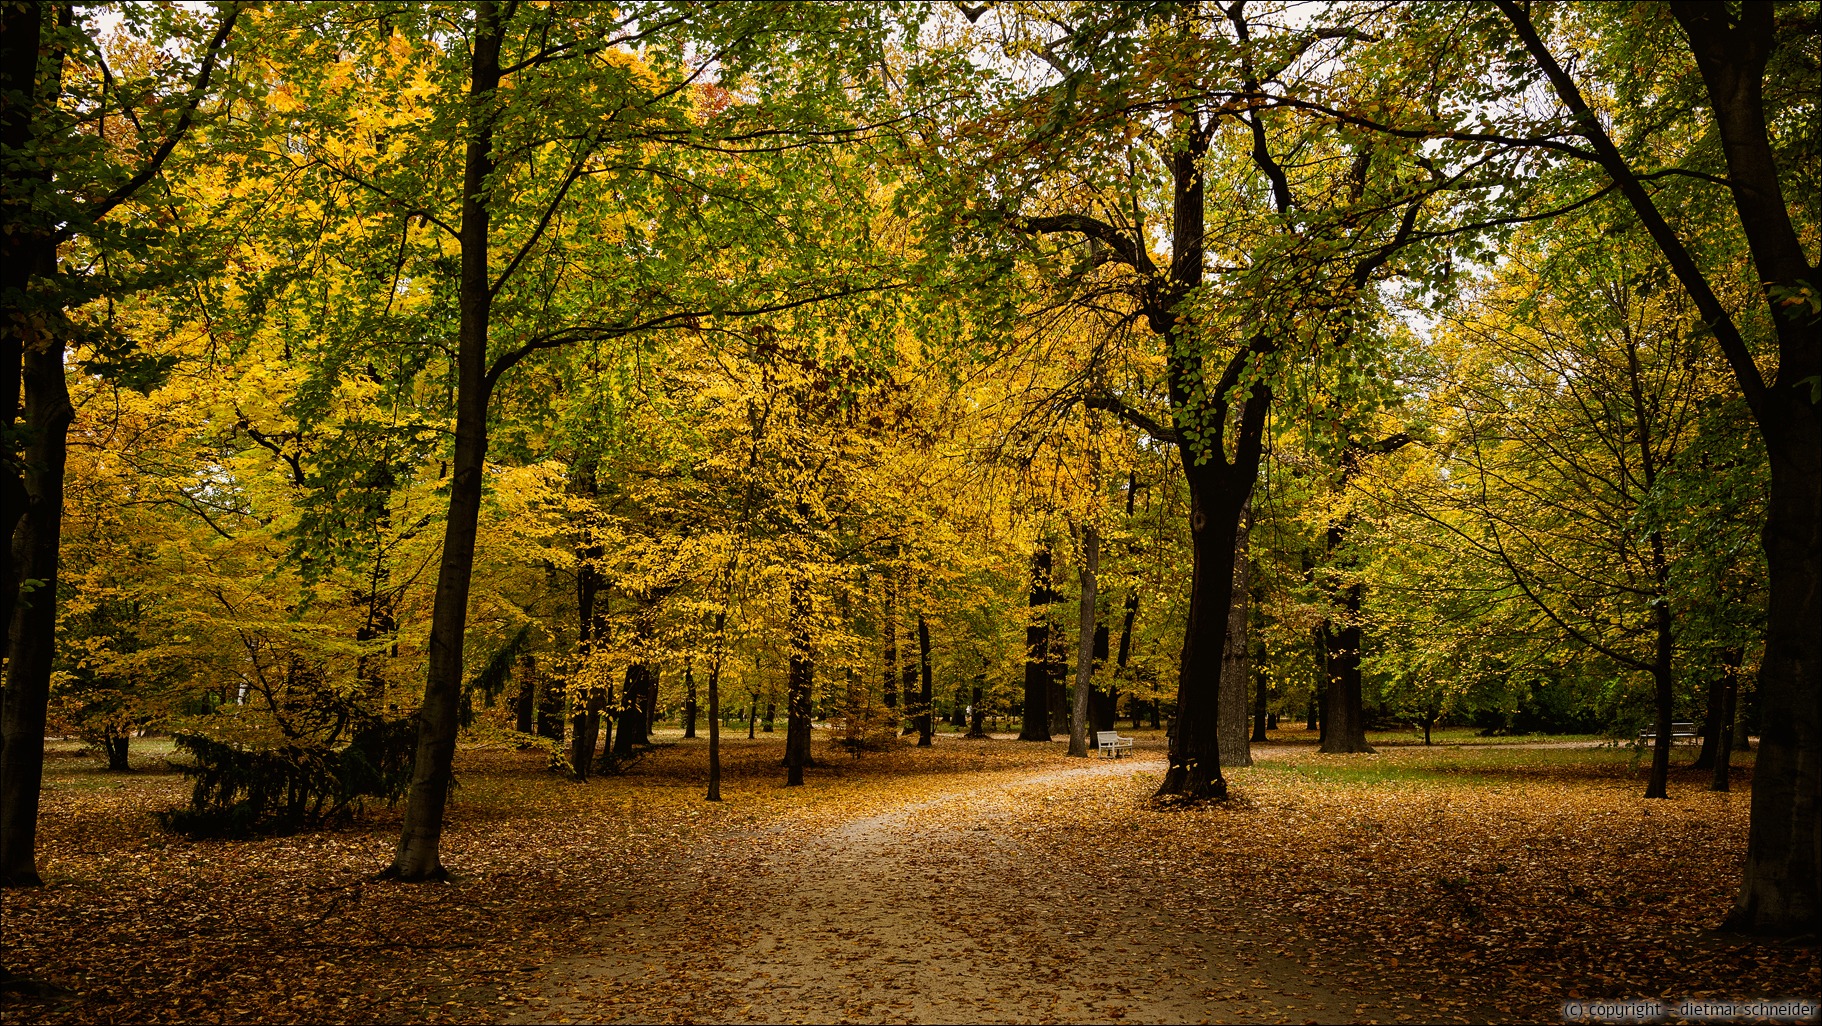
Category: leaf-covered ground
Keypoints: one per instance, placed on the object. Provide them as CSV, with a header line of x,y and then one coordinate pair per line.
x,y
975,882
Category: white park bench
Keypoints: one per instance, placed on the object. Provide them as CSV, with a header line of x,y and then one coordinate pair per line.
x,y
1676,730
1110,743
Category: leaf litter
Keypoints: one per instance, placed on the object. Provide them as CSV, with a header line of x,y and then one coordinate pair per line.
x,y
973,882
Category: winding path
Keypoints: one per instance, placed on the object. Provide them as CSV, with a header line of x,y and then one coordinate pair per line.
x,y
941,910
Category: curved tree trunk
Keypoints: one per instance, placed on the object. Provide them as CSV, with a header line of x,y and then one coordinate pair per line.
x,y
1781,885
417,856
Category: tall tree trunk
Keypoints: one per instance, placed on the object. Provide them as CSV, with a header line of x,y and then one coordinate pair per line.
x,y
889,632
626,721
417,856
1236,698
1219,485
1711,721
714,792
1104,703
1344,715
926,728
907,681
33,479
1056,680
525,707
1781,885
31,640
581,738
802,677
1084,670
689,702
1036,722
1216,500
1730,692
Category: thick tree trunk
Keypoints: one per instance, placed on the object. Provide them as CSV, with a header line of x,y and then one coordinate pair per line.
x,y
116,746
1778,894
1035,725
31,515
1216,501
1084,671
625,730
1236,673
1783,872
926,726
1344,716
417,857
31,641
802,678
1104,703
689,703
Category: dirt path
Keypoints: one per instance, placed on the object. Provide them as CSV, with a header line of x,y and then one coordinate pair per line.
x,y
940,910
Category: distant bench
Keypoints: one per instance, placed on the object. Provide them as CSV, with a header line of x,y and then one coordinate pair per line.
x,y
1676,730
1110,743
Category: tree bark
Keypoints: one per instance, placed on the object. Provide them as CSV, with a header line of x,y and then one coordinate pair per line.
x,y
1236,673
417,858
1711,721
925,712
1035,725
33,479
1344,716
1779,887
1084,671
889,632
31,641
689,703
525,707
714,792
116,746
802,677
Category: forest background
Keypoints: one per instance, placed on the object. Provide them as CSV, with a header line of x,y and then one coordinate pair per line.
x,y
395,377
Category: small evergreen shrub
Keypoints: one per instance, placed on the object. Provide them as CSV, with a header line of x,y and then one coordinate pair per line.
x,y
241,791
